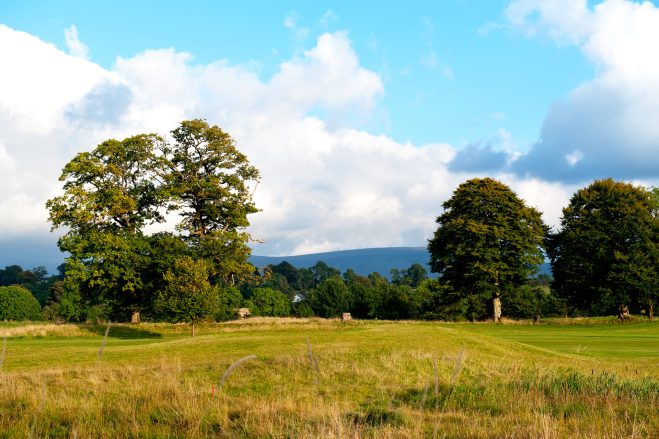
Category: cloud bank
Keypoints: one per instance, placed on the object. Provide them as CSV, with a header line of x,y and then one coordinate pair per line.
x,y
327,183
609,126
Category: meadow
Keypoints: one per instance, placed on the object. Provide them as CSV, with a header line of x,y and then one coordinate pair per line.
x,y
325,378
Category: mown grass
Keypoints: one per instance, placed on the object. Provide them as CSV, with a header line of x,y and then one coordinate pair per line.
x,y
324,378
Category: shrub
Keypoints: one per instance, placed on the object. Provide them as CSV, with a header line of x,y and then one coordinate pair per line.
x,y
17,303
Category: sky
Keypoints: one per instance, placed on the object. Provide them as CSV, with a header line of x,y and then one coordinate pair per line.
x,y
362,118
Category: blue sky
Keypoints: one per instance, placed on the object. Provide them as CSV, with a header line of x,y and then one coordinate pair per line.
x,y
452,71
362,118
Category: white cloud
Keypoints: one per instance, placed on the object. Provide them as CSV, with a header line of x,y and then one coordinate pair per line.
x,y
328,18
574,157
290,21
75,47
327,184
612,120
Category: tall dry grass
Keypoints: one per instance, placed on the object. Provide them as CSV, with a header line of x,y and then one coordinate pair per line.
x,y
368,381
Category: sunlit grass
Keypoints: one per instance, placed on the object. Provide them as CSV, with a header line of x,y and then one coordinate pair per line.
x,y
367,379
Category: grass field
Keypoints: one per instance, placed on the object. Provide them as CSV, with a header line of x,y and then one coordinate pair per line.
x,y
324,378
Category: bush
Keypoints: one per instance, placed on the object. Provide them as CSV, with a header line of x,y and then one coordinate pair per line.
x,y
17,303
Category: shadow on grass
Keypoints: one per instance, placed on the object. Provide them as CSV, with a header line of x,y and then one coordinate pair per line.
x,y
123,332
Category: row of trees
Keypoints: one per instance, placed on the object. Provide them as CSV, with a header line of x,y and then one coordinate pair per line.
x,y
283,290
197,188
605,257
487,246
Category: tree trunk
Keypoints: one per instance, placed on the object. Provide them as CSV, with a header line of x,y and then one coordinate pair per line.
x,y
650,310
135,317
623,312
496,302
193,329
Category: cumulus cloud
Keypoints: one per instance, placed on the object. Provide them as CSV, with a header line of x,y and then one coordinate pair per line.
x,y
73,43
478,158
608,126
327,184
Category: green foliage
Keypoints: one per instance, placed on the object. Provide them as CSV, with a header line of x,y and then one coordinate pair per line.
x,y
188,295
17,303
366,297
65,302
438,302
330,298
113,192
412,277
525,302
110,194
487,242
270,303
606,253
210,183
302,309
229,301
321,272
36,280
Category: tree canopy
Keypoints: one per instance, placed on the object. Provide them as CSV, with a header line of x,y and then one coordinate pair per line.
x,y
487,242
605,258
113,192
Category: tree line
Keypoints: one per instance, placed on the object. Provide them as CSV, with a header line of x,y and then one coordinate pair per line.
x,y
197,187
604,257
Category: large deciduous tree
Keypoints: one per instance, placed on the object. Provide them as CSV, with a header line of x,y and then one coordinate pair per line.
x,y
605,258
110,194
113,192
210,184
487,242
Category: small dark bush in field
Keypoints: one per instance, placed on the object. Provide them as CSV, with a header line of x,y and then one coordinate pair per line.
x,y
17,303
375,415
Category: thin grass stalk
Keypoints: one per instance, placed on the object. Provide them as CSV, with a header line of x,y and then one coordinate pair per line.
x,y
230,369
424,396
42,403
2,355
105,340
313,363
436,370
456,374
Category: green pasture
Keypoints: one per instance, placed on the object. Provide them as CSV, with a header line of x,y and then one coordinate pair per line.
x,y
320,378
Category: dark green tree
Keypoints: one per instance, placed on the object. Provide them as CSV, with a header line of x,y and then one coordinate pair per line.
x,y
17,303
321,272
366,297
487,242
229,301
438,302
330,298
605,257
411,277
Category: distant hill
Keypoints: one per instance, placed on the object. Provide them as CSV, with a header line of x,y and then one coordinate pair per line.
x,y
363,261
